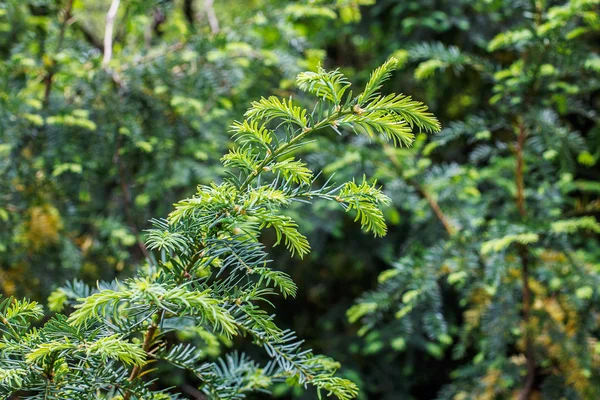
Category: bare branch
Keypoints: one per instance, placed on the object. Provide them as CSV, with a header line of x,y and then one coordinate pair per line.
x,y
212,17
108,32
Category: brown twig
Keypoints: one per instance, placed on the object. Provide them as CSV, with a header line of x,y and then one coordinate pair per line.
x,y
148,337
192,391
524,257
157,319
529,350
437,210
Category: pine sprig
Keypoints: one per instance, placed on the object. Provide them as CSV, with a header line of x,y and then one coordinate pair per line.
x,y
15,315
295,171
376,80
386,124
251,133
365,199
286,229
413,112
268,109
328,85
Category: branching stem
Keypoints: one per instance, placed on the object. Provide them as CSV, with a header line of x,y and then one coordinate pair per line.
x,y
148,338
279,150
524,257
437,210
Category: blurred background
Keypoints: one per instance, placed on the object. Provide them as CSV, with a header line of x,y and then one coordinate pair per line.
x,y
486,286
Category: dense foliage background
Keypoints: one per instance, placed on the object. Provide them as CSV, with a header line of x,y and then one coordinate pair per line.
x,y
486,285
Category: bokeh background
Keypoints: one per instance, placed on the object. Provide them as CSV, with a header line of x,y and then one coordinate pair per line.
x,y
487,282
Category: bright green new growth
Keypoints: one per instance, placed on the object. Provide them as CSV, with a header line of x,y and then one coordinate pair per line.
x,y
211,273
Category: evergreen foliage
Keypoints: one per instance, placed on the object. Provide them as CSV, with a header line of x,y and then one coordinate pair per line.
x,y
503,201
209,269
91,149
500,269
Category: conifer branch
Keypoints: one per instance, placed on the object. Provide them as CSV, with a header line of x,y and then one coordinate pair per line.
x,y
148,339
435,207
212,269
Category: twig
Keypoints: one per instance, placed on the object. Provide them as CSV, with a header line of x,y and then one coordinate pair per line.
x,y
198,395
108,32
519,170
529,350
157,320
437,210
137,370
213,22
188,11
524,256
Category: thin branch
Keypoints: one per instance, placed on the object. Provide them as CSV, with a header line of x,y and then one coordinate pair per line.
x,y
152,331
529,345
437,210
148,338
192,391
108,32
524,256
519,169
213,21
435,207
